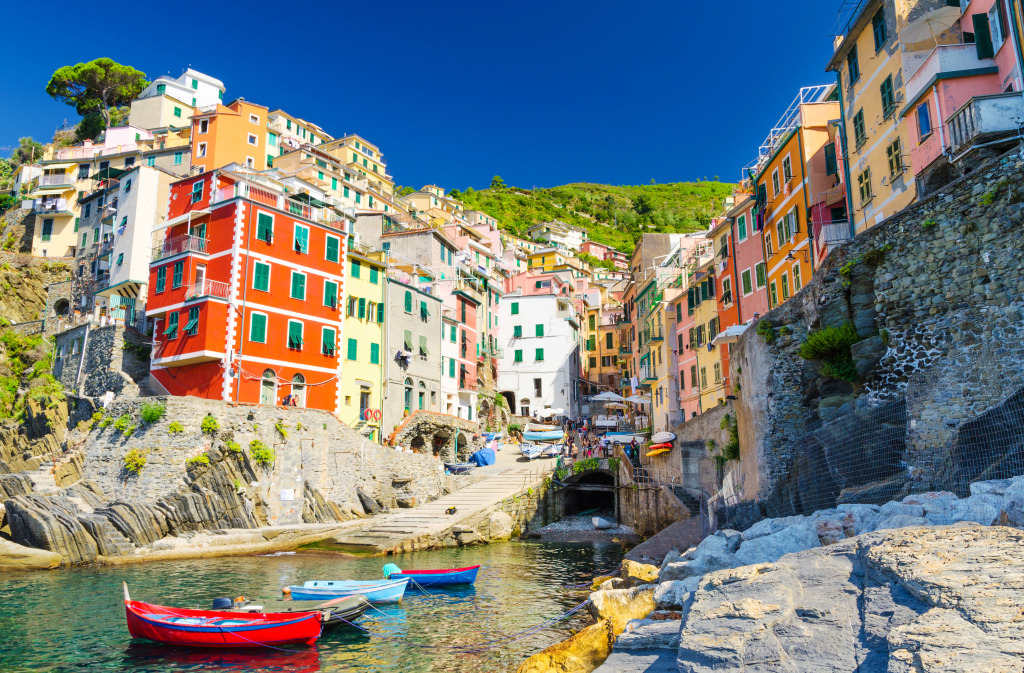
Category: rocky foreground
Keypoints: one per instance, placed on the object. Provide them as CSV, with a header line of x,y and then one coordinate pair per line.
x,y
933,584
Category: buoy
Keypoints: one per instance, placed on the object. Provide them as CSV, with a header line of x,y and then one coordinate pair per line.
x,y
286,591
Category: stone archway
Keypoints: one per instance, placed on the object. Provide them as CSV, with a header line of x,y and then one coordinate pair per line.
x,y
510,401
61,307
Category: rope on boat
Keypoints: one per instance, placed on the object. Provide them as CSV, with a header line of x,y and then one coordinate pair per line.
x,y
485,645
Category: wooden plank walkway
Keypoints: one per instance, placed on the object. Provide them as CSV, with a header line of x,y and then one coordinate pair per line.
x,y
399,529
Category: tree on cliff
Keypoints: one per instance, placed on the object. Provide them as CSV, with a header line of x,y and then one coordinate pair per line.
x,y
94,87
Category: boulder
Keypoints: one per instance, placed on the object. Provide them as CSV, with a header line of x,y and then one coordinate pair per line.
x,y
949,644
770,548
902,521
993,487
733,538
47,523
864,516
468,537
710,555
867,354
832,530
1013,503
672,595
619,606
406,501
500,525
370,505
769,526
582,653
983,509
897,508
648,634
935,504
634,573
17,557
613,583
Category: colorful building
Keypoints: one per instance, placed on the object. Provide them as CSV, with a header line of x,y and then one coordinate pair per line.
x,y
414,362
750,283
245,290
168,102
559,235
235,133
362,381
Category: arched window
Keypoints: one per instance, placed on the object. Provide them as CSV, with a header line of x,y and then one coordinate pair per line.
x,y
299,389
408,301
422,395
268,387
408,395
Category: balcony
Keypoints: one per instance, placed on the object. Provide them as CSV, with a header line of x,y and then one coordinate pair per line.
x,y
469,290
835,231
984,117
51,207
267,197
656,334
56,180
180,245
207,288
947,61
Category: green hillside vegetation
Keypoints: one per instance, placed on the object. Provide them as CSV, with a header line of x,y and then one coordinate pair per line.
x,y
613,215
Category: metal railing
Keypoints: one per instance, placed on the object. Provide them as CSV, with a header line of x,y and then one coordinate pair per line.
x,y
180,244
208,288
262,195
56,180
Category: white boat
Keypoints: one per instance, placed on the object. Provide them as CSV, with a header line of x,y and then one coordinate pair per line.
x,y
663,438
542,427
602,524
623,438
554,450
531,451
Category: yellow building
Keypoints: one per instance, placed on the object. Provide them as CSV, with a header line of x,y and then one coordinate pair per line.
x,y
55,204
547,259
362,372
789,175
872,63
705,328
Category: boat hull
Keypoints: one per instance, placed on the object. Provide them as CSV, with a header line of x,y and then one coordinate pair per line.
x,y
345,612
550,436
380,591
530,451
429,579
459,468
208,628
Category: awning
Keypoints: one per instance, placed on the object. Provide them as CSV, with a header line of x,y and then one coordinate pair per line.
x,y
61,164
729,335
109,173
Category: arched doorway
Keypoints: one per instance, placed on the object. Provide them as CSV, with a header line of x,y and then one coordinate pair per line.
x,y
510,401
299,389
61,307
408,396
268,387
422,396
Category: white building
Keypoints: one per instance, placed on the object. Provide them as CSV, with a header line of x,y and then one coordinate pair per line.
x,y
559,234
170,102
540,363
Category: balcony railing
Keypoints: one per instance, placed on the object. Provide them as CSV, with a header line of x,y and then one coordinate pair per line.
x,y
985,116
835,231
56,180
324,216
50,206
207,288
179,245
945,58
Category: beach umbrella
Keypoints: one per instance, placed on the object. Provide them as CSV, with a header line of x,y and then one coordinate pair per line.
x,y
930,26
609,396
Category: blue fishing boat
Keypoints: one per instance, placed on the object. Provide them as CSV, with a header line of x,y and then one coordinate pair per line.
x,y
438,578
459,468
531,451
375,591
543,435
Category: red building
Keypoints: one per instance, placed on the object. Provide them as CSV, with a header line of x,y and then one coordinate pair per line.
x,y
245,291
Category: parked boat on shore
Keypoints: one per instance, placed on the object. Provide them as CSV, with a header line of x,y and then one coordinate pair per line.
x,y
543,436
375,591
531,451
459,468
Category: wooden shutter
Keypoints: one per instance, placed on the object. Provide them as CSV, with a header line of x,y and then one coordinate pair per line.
x,y
831,167
983,36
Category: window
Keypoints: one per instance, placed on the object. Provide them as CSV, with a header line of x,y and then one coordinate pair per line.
x,y
859,133
879,30
47,229
537,392
151,161
332,249
540,330
864,185
782,230
703,377
515,308
924,121
741,224
197,191
120,259
517,332
298,288
745,282
785,286
258,328
853,66
330,294
608,340
787,169
893,154
518,356
179,272
768,244
356,268
423,347
775,183
888,97
204,126
759,274
374,354
261,277
127,185
264,227
407,340
200,150
161,278
797,281
362,308
984,35
693,376
253,119
831,165
192,326
352,351
172,325
88,210
300,239
717,368
408,303
177,158
726,290
253,140
374,275
451,364
295,334
773,296
424,311
177,111
539,355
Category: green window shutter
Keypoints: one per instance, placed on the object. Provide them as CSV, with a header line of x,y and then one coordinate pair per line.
x,y
451,368
294,334
76,223
362,308
539,355
454,335
374,354
352,350
517,332
540,330
380,313
264,227
515,308
172,325
407,341
328,339
519,356
258,328
423,345
179,272
261,277
983,36
301,239
330,294
334,183
161,278
408,302
831,167
424,313
192,326
374,275
298,286
333,249
356,268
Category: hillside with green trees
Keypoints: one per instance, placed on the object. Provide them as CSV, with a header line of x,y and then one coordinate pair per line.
x,y
613,215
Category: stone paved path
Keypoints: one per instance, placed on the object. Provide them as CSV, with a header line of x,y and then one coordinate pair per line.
x,y
401,529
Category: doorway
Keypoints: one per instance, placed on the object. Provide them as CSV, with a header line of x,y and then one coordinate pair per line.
x,y
299,389
268,387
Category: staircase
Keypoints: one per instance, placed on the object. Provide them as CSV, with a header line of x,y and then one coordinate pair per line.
x,y
688,500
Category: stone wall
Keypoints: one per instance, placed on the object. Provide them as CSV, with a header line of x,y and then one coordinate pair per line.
x,y
115,358
936,295
436,434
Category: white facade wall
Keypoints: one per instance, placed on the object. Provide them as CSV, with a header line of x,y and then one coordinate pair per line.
x,y
192,84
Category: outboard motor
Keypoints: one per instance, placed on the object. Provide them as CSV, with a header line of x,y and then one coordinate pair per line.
x,y
223,604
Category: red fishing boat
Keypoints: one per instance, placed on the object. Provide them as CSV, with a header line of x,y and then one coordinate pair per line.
x,y
208,628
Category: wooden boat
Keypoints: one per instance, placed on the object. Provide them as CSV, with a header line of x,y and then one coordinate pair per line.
x,y
531,451
334,613
602,524
215,628
545,436
542,427
375,591
459,468
439,578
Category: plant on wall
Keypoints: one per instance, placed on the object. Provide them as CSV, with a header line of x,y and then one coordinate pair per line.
x,y
152,412
261,453
210,426
134,461
831,345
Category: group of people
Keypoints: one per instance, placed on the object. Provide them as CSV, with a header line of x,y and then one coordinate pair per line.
x,y
578,440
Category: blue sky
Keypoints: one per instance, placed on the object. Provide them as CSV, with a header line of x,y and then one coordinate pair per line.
x,y
541,93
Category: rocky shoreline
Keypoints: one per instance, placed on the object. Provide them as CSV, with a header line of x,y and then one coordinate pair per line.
x,y
931,583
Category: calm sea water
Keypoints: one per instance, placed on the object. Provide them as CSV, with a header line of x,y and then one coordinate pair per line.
x,y
73,620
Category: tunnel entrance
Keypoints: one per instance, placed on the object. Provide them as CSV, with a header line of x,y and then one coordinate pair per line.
x,y
591,491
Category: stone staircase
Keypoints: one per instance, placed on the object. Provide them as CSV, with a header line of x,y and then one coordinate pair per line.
x,y
688,500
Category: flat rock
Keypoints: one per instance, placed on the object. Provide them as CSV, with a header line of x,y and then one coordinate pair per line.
x,y
619,606
672,595
17,557
770,548
585,651
648,634
642,661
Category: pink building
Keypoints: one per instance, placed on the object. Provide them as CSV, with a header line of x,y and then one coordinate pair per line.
x,y
751,274
606,254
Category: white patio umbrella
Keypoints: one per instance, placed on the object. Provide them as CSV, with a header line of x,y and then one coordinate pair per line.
x,y
639,399
615,405
930,26
609,396
544,413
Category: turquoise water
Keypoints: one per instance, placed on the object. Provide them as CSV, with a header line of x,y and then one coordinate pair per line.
x,y
73,620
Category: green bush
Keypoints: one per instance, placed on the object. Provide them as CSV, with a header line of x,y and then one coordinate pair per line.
x,y
613,464
134,461
175,428
765,331
515,427
129,431
96,416
261,453
210,426
280,427
152,412
841,370
731,451
829,342
105,421
233,446
200,459
122,423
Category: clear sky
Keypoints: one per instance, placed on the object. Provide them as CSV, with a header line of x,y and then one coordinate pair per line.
x,y
540,92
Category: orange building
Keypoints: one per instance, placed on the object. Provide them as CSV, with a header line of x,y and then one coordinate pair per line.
x,y
244,290
235,133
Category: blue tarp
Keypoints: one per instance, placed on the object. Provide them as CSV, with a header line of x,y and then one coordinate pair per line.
x,y
483,457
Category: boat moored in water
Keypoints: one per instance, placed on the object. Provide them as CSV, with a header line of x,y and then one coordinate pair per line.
x,y
375,591
437,578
